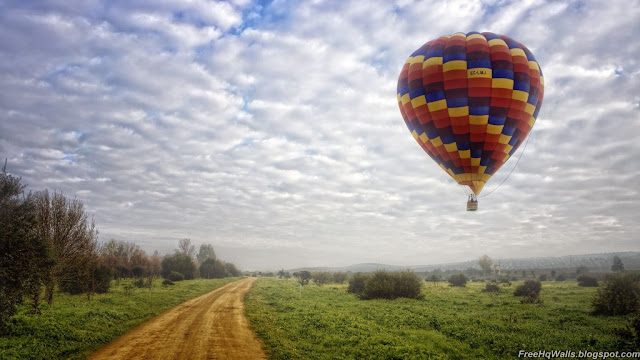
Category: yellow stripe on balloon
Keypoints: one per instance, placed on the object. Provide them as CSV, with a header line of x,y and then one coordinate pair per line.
x,y
420,100
465,154
451,147
529,109
436,141
459,111
432,61
454,65
517,52
478,119
494,129
520,95
502,83
416,59
504,139
405,99
437,105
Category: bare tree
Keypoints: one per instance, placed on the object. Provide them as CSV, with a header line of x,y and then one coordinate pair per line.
x,y
64,224
186,247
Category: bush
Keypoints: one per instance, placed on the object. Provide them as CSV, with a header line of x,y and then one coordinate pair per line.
x,y
356,283
407,285
175,276
139,283
491,287
167,282
340,277
530,287
543,277
587,281
379,286
619,295
458,280
561,277
629,337
102,275
386,285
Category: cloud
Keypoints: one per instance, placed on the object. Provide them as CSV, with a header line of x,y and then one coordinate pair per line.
x,y
272,130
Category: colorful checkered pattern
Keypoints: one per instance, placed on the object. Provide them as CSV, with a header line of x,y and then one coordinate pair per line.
x,y
470,100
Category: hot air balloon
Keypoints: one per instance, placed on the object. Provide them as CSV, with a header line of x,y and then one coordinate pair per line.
x,y
470,100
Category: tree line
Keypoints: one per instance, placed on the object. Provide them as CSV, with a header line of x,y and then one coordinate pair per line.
x,y
48,242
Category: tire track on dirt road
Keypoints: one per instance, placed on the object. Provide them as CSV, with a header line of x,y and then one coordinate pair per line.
x,y
212,326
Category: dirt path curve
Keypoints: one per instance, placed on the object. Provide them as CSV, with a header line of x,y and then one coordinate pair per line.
x,y
212,326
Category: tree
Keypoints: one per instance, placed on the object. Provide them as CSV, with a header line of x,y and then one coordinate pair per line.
x,y
303,277
617,266
213,269
485,263
281,273
25,256
206,252
619,295
186,247
179,262
232,270
71,236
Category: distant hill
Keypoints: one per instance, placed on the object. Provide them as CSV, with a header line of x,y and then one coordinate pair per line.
x,y
600,262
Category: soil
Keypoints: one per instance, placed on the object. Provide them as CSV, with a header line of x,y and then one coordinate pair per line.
x,y
212,326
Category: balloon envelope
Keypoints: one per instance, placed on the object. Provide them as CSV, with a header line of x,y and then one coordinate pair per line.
x,y
470,100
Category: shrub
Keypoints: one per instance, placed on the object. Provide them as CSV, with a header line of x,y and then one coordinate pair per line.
x,y
529,287
356,283
102,275
458,280
321,278
491,287
167,282
139,283
340,277
629,337
543,277
561,277
380,285
619,295
386,285
175,276
407,285
587,281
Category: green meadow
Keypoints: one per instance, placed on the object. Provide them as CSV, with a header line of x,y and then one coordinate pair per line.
x,y
73,327
449,323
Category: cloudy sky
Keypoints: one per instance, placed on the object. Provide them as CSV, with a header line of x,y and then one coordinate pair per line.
x,y
272,131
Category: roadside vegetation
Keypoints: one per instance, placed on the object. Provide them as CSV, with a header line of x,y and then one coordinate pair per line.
x,y
328,322
73,327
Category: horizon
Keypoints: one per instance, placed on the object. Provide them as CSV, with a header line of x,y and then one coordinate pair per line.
x,y
252,126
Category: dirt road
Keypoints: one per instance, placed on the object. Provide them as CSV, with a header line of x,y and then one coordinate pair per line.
x,y
212,326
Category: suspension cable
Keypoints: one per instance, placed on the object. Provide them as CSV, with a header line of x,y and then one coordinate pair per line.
x,y
514,167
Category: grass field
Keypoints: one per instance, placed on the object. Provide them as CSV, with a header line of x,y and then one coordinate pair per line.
x,y
450,323
74,327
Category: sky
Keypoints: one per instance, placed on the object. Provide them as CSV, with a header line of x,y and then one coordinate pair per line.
x,y
271,129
